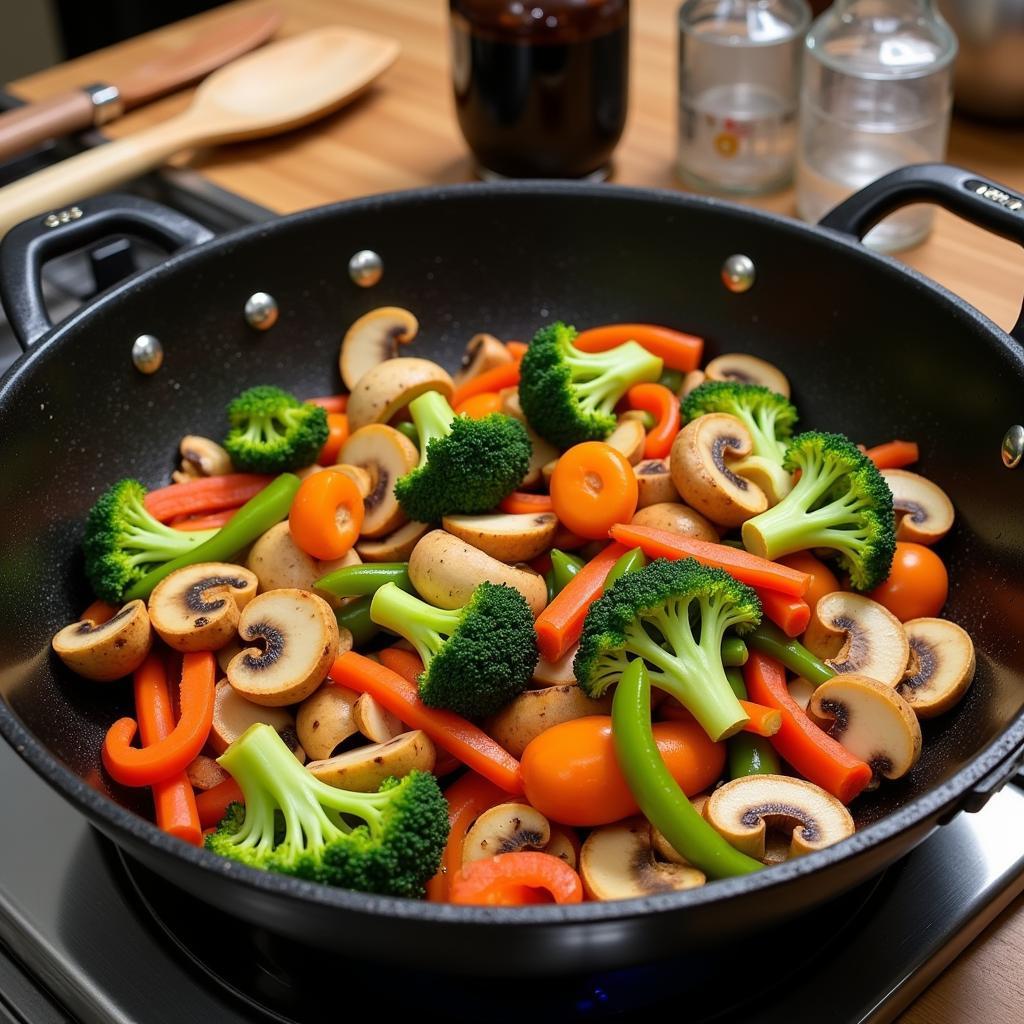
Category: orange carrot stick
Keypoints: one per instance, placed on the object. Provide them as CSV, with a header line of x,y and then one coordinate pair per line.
x,y
207,494
213,804
337,435
332,403
764,721
750,569
520,502
517,348
504,376
99,612
214,521
677,350
476,407
894,454
790,614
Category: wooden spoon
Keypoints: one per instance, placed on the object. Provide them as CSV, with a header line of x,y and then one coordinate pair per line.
x,y
282,86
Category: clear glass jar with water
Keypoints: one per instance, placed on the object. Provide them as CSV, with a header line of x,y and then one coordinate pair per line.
x,y
877,94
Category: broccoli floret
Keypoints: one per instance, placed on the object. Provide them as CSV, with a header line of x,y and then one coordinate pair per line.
x,y
569,396
466,466
297,825
272,431
123,541
841,502
475,658
674,615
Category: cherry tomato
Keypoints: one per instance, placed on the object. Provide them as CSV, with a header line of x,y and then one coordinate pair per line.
x,y
571,775
593,487
917,585
823,580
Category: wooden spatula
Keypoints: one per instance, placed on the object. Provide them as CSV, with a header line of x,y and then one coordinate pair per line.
x,y
282,86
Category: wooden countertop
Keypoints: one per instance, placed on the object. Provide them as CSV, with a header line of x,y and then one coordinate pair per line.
x,y
403,134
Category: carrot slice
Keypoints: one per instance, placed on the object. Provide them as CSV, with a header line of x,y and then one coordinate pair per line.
x,y
519,503
894,454
764,721
592,488
332,403
677,350
748,568
337,435
504,376
517,348
208,494
326,515
514,879
213,804
790,614
470,744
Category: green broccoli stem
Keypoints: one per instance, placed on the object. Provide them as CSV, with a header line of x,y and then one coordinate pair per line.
x,y
423,625
600,379
155,541
433,417
662,801
769,639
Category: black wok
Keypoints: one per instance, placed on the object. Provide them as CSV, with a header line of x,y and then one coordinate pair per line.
x,y
873,349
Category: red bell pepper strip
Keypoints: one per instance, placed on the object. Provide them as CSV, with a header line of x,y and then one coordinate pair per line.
x,y
214,521
677,350
514,879
790,614
663,405
523,503
207,494
504,376
894,454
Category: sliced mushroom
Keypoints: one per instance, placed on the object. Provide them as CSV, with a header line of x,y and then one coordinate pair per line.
x,y
765,475
446,570
391,386
108,650
279,562
298,638
800,690
534,711
505,536
564,844
852,633
748,370
197,608
703,476
326,719
691,382
923,510
542,453
676,518
202,457
743,810
654,482
374,720
395,547
233,714
365,768
871,720
483,352
941,666
204,773
662,847
358,475
617,863
374,337
628,437
556,673
506,828
386,454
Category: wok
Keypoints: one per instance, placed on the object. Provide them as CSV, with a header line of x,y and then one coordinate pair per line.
x,y
873,349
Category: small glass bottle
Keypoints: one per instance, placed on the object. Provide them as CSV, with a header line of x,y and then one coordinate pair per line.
x,y
739,86
877,95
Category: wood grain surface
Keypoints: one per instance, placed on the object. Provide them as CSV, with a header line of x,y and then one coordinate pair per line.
x,y
403,134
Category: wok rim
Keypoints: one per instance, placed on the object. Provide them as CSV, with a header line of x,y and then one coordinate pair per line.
x,y
116,820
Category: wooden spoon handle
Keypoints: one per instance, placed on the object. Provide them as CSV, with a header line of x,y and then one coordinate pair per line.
x,y
27,126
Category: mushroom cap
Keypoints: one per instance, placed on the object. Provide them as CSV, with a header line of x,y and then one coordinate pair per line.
x,y
374,337
871,720
748,370
279,562
374,720
108,650
300,640
654,482
924,513
386,454
483,352
395,547
365,768
506,828
564,844
325,719
555,673
509,537
676,518
941,666
705,479
391,386
233,714
197,607
741,812
202,457
617,863
852,633
534,711
628,438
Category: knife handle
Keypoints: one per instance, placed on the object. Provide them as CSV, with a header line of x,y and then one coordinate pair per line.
x,y
25,127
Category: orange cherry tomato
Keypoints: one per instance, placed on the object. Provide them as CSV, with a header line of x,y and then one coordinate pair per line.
x,y
337,435
571,775
514,879
593,487
326,514
823,580
917,585
476,407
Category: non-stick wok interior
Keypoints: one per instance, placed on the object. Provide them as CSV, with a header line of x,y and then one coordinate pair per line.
x,y
869,350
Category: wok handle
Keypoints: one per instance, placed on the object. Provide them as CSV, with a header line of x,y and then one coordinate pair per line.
x,y
993,207
29,245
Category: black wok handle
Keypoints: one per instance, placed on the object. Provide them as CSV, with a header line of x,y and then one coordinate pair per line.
x,y
976,199
32,243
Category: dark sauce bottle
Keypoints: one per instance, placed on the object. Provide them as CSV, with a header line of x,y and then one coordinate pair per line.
x,y
541,85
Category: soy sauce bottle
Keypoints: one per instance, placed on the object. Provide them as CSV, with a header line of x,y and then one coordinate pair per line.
x,y
541,85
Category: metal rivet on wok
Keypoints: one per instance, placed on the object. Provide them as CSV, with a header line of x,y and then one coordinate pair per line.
x,y
366,268
261,311
1013,446
147,353
738,273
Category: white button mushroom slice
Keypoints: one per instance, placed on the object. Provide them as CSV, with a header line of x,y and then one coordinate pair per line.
x,y
365,768
226,653
374,337
506,536
108,650
766,475
386,454
233,714
506,828
617,863
446,570
298,638
924,513
197,608
628,438
374,721
691,382
395,547
359,476
555,673
325,719
748,369
700,463
279,562
483,352
654,482
202,457
663,848
391,386
534,711
871,720
743,810
563,845
800,690
852,633
941,666
676,518
541,455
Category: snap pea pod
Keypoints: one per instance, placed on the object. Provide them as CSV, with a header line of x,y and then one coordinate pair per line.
x,y
662,801
254,518
360,580
631,561
734,652
770,640
355,617
408,428
749,754
672,379
563,568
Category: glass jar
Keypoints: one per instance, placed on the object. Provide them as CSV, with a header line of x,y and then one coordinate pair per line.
x,y
541,85
739,86
877,95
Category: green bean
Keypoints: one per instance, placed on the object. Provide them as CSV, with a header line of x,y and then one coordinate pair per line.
x,y
672,379
563,568
355,617
749,754
631,561
734,652
359,580
408,428
770,640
